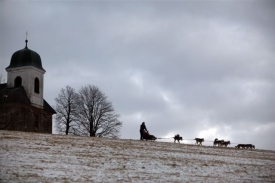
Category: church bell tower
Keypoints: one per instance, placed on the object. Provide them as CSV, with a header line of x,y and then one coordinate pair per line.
x,y
26,70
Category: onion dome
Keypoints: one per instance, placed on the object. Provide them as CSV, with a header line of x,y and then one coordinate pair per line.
x,y
25,57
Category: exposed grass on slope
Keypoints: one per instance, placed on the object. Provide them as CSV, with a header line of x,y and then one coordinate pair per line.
x,y
33,157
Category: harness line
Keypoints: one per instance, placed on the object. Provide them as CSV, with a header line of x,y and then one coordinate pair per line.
x,y
195,139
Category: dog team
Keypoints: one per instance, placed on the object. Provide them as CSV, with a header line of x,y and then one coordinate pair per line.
x,y
220,143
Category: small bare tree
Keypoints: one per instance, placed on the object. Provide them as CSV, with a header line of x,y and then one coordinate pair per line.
x,y
66,110
96,115
2,78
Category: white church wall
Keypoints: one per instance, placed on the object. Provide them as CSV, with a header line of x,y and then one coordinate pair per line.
x,y
28,75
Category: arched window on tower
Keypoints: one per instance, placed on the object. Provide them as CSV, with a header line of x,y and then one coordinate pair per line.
x,y
36,85
18,82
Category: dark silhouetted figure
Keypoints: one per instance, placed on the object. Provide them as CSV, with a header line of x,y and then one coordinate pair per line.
x,y
142,130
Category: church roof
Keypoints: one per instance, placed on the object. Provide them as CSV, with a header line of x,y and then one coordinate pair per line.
x,y
18,95
47,107
25,57
13,95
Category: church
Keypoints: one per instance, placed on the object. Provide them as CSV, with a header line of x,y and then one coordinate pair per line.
x,y
22,106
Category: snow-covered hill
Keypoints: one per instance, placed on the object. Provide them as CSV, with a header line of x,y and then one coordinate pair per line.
x,y
33,157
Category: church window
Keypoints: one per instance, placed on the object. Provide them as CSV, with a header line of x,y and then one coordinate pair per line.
x,y
36,85
18,82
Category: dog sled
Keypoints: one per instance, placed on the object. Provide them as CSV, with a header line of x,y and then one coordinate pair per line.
x,y
148,136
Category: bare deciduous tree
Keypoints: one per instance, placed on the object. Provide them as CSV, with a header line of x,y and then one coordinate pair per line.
x,y
66,110
96,115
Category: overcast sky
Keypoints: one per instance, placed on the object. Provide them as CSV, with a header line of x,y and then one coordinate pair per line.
x,y
195,68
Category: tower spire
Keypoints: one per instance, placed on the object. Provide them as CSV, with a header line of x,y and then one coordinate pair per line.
x,y
26,40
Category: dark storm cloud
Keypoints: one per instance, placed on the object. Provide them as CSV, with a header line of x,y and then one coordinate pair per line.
x,y
194,68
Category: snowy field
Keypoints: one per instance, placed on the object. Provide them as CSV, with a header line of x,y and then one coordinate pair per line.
x,y
33,157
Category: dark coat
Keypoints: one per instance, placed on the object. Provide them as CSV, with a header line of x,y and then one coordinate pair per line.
x,y
143,128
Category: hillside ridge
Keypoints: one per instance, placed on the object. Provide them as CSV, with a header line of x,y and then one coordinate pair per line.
x,y
32,157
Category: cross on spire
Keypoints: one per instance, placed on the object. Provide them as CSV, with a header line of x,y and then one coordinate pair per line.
x,y
26,39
